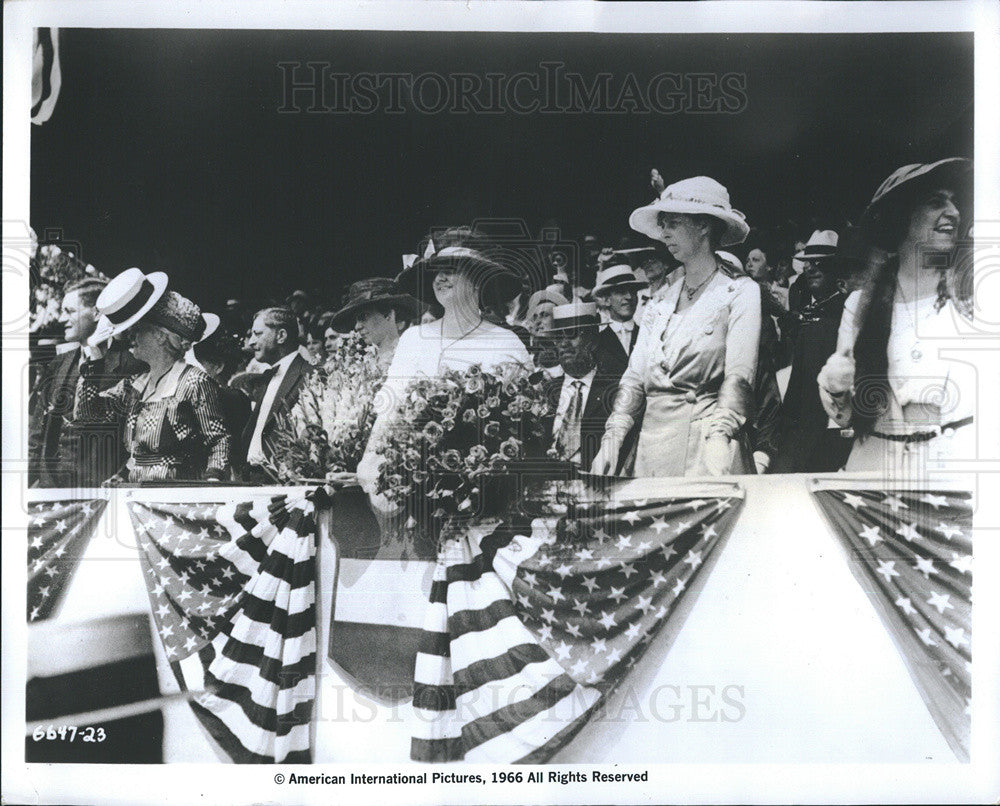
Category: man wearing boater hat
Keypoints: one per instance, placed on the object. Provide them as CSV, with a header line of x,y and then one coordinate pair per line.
x,y
820,248
807,440
62,452
619,287
583,396
379,312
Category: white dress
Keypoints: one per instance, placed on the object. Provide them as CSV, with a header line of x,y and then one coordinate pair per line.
x,y
423,352
924,377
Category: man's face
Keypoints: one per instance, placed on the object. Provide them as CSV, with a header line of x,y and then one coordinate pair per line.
x,y
757,265
78,319
577,348
540,321
654,269
622,304
817,279
266,342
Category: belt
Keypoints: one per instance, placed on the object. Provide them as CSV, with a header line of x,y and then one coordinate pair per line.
x,y
924,436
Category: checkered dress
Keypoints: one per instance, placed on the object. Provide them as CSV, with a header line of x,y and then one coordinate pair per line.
x,y
182,436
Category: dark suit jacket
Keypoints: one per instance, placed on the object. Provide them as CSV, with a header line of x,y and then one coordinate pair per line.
x,y
288,394
612,358
596,410
805,444
62,453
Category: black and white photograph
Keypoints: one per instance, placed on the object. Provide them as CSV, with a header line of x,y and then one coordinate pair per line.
x,y
501,402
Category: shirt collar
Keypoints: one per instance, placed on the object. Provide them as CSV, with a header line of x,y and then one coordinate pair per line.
x,y
167,386
282,364
622,327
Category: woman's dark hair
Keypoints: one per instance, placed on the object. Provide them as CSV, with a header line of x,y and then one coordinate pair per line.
x,y
877,236
716,229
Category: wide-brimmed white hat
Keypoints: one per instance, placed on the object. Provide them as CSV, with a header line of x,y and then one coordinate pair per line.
x,y
125,300
731,260
700,195
617,278
821,244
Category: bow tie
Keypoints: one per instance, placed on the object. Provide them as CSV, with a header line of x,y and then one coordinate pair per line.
x,y
622,327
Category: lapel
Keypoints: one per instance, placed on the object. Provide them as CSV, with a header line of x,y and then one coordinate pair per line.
x,y
289,383
634,339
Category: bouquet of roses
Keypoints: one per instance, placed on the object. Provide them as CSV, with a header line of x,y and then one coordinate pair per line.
x,y
457,432
327,429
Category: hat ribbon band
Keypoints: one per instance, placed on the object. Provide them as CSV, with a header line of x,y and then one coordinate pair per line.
x,y
133,306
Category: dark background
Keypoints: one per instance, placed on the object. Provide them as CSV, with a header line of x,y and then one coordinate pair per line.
x,y
166,149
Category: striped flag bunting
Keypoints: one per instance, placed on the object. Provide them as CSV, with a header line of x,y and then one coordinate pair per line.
x,y
531,624
46,74
233,584
912,553
58,535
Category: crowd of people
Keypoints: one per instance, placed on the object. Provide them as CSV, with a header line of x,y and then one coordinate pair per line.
x,y
697,346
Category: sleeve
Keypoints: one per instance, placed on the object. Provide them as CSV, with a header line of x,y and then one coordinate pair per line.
x,y
391,394
743,336
208,412
93,405
839,406
632,386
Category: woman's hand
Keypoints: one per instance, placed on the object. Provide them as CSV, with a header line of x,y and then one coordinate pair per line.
x,y
606,461
717,455
837,375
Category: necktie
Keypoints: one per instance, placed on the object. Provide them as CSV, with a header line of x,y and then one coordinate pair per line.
x,y
569,434
624,335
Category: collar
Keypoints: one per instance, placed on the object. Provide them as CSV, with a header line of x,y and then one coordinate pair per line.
x,y
588,379
282,364
167,387
622,327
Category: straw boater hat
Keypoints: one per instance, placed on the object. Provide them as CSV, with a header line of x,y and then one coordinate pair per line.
x,y
699,195
575,315
617,278
896,195
730,260
822,244
125,300
461,248
367,292
545,296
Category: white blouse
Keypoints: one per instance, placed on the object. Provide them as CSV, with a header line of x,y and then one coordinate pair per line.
x,y
920,369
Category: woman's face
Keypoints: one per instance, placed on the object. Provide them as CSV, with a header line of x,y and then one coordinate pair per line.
x,y
683,236
315,347
757,265
146,343
330,340
934,221
454,289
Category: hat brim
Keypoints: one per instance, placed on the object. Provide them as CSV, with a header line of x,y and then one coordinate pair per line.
x,y
955,173
643,219
107,329
593,324
212,322
630,285
343,320
805,254
487,275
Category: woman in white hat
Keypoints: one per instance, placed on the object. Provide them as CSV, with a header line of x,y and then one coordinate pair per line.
x,y
458,273
694,361
174,428
907,406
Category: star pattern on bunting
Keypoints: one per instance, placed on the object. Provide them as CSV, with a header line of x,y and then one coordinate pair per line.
x,y
58,535
192,589
916,548
597,597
